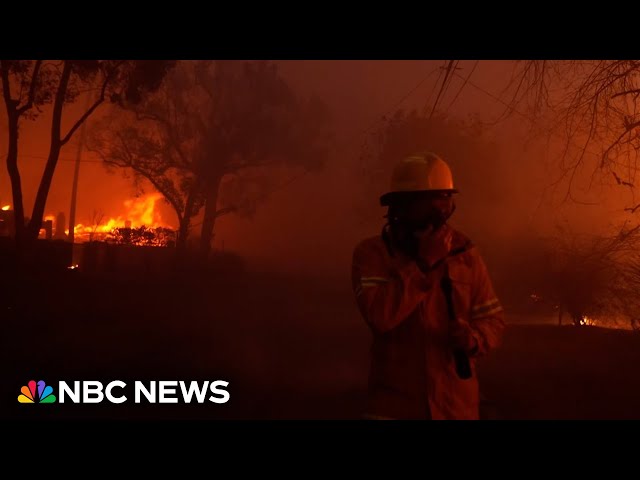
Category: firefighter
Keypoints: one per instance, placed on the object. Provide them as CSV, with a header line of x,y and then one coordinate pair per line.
x,y
425,293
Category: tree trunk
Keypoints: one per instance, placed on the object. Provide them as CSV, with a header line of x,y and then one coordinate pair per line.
x,y
185,220
183,232
210,209
14,175
43,192
13,116
54,153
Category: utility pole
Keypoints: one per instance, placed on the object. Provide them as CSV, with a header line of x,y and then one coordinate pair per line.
x,y
76,173
3,149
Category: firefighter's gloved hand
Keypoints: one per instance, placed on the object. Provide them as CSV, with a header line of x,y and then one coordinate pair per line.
x,y
462,337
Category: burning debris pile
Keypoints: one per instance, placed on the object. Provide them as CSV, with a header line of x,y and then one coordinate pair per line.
x,y
143,236
141,225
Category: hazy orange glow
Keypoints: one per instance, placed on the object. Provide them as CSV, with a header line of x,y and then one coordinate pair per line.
x,y
292,218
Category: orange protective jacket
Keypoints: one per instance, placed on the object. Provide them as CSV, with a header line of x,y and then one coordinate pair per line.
x,y
412,372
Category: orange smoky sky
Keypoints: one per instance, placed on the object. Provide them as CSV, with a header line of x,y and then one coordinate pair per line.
x,y
311,224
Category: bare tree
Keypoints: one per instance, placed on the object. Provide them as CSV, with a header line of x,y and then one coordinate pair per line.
x,y
156,149
586,277
96,221
592,105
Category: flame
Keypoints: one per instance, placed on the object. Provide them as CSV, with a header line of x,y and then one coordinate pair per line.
x,y
585,320
143,211
6,207
139,212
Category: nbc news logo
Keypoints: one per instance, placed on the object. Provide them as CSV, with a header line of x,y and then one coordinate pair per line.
x,y
90,391
43,393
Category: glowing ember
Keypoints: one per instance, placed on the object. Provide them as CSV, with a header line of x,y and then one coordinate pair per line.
x,y
6,207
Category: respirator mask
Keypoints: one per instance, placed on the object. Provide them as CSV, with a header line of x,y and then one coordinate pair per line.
x,y
404,223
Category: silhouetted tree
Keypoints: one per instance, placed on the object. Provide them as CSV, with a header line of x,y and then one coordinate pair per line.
x,y
592,106
213,130
30,85
586,277
158,141
96,220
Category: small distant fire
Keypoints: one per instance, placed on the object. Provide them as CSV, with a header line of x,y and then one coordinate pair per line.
x,y
589,321
6,207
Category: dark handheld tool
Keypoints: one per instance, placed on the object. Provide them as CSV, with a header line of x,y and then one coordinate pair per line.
x,y
463,366
409,245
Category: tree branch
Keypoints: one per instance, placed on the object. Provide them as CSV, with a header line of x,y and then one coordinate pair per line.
x,y
224,211
32,88
127,159
6,85
622,182
174,203
95,105
632,209
628,128
626,92
169,129
58,104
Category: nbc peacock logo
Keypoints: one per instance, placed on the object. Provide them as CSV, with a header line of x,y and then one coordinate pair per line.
x,y
43,393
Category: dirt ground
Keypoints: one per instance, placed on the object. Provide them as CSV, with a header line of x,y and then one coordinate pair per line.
x,y
291,348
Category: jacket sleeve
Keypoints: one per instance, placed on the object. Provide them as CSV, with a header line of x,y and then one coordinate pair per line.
x,y
487,314
386,293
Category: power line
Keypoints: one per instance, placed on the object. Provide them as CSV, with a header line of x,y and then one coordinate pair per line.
x,y
496,98
453,69
435,85
382,116
76,172
466,80
442,87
